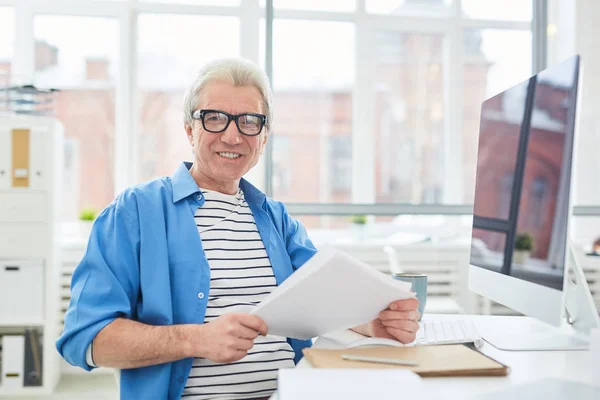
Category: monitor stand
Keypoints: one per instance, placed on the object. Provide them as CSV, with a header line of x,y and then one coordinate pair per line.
x,y
528,334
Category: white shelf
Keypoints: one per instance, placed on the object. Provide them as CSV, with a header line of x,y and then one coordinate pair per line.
x,y
29,211
21,324
24,391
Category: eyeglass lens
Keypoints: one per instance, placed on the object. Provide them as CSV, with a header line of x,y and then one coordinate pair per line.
x,y
216,122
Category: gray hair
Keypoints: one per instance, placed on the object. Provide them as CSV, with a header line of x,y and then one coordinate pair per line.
x,y
235,71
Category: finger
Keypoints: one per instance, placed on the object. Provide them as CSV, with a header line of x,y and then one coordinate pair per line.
x,y
244,332
385,334
405,325
254,322
244,344
233,356
401,335
405,305
412,315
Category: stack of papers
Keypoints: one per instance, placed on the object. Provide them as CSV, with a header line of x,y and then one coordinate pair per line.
x,y
331,291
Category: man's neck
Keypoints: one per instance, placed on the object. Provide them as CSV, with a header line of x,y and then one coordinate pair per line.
x,y
205,182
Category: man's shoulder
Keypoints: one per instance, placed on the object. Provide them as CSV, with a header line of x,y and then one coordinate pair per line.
x,y
151,193
276,206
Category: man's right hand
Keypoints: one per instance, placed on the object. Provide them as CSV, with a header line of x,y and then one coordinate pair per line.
x,y
229,337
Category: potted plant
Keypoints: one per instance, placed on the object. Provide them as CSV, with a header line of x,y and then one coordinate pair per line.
x,y
359,219
86,220
523,248
359,223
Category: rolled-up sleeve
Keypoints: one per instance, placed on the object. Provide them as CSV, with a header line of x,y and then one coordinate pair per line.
x,y
105,284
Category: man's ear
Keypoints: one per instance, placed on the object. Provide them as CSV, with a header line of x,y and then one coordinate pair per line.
x,y
189,132
265,139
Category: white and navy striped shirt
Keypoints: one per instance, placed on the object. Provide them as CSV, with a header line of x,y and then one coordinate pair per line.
x,y
241,276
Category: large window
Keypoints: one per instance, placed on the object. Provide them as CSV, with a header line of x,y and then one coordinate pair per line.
x,y
408,98
376,101
79,56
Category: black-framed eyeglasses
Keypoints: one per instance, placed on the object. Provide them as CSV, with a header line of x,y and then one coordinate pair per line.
x,y
215,121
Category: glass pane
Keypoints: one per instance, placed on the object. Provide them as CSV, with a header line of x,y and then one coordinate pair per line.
x,y
79,55
504,10
312,133
7,43
501,121
494,61
409,117
167,66
487,249
221,3
399,7
314,5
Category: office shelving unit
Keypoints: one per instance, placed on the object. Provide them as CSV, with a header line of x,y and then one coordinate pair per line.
x,y
31,158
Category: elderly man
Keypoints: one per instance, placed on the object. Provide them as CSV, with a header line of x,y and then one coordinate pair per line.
x,y
172,263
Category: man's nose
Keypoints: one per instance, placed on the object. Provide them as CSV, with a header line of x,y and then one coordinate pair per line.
x,y
231,135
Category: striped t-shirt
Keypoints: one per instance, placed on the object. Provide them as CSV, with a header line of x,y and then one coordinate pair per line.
x,y
240,277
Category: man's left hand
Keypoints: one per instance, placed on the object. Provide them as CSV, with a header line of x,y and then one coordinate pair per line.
x,y
399,321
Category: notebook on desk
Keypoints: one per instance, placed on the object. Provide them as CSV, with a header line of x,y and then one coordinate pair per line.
x,y
431,361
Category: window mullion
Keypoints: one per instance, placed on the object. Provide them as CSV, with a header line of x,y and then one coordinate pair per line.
x,y
23,64
126,110
363,118
267,159
250,14
539,35
453,185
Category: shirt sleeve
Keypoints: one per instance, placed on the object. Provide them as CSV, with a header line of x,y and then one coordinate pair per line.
x,y
299,246
105,284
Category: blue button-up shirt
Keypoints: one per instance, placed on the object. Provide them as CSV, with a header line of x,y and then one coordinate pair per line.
x,y
144,261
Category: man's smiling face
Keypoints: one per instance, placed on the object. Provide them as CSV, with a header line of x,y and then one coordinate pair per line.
x,y
225,157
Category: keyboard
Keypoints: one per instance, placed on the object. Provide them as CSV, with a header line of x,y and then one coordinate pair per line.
x,y
452,331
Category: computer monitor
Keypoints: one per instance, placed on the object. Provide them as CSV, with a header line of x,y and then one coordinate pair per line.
x,y
520,248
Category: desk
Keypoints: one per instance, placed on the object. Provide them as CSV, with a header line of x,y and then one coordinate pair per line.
x,y
526,367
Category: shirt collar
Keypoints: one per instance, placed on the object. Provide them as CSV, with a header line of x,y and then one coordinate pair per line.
x,y
184,185
251,193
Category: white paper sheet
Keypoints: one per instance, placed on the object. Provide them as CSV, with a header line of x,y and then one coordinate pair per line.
x,y
349,384
331,291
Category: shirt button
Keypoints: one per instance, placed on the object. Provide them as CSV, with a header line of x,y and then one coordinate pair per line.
x,y
200,295
199,196
180,380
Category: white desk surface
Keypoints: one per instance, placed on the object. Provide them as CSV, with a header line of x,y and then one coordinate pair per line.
x,y
526,367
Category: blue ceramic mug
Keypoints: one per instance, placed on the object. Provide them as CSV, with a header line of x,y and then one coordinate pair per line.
x,y
418,286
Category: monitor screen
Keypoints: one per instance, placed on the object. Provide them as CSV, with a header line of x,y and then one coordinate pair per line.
x,y
523,177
